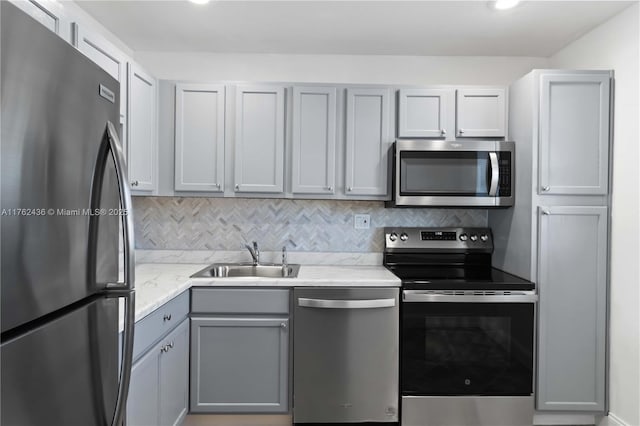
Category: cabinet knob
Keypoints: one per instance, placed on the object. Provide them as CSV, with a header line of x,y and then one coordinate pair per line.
x,y
164,349
461,131
217,185
545,211
329,188
167,317
237,186
283,325
350,189
545,189
170,345
443,132
134,183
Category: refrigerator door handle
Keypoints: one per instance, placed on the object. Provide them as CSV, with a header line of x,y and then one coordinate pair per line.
x,y
115,147
127,359
125,289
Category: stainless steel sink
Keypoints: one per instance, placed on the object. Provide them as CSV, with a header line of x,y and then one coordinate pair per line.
x,y
230,270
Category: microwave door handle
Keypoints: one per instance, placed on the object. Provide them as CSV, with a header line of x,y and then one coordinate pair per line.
x,y
495,174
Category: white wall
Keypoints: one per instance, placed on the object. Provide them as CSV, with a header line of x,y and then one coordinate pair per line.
x,y
614,45
338,68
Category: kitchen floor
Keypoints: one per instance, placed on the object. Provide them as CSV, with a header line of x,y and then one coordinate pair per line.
x,y
237,420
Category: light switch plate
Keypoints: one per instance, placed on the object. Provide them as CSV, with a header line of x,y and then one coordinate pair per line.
x,y
361,221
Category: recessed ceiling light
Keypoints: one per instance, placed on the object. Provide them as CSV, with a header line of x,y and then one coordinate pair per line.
x,y
504,4
199,1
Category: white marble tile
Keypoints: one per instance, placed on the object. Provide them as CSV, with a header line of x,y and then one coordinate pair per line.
x,y
302,258
157,283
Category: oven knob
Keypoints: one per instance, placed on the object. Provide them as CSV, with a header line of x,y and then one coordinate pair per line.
x,y
473,237
484,237
463,237
393,236
404,237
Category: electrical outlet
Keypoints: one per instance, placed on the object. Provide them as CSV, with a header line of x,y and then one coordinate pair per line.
x,y
361,221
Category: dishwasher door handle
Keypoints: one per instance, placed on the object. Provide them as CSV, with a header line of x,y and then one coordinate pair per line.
x,y
346,304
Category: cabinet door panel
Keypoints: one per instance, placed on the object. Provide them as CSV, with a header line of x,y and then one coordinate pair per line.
x,y
174,376
143,404
259,144
481,113
239,364
314,140
574,133
426,113
142,130
367,141
572,280
49,13
105,55
199,160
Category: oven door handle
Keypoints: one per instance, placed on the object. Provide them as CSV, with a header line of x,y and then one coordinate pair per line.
x,y
495,174
346,304
514,297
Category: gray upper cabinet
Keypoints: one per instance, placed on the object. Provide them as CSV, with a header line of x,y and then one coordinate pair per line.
x,y
426,113
367,141
159,389
49,13
106,55
574,133
259,139
481,112
199,137
142,128
314,140
572,280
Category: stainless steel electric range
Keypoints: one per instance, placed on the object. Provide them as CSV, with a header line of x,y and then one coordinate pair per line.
x,y
467,330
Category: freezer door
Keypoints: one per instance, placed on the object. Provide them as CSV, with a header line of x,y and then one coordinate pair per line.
x,y
55,106
64,372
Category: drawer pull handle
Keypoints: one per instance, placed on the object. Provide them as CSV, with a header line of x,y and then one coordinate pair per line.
x,y
167,317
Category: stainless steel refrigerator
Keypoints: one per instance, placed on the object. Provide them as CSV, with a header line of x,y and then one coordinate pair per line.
x,y
63,185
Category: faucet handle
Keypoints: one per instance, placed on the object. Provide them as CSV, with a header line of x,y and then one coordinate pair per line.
x,y
284,255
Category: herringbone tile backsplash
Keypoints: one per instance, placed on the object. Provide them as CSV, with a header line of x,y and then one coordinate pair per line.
x,y
177,223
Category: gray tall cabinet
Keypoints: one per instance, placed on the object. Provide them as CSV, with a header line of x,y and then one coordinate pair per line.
x,y
557,234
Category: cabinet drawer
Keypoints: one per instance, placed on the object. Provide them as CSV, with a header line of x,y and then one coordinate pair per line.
x,y
158,323
239,301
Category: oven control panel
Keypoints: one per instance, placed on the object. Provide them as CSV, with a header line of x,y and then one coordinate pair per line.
x,y
438,238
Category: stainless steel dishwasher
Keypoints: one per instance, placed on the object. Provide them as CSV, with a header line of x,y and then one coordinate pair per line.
x,y
346,363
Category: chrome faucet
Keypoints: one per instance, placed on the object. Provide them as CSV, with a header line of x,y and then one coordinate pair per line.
x,y
285,265
255,253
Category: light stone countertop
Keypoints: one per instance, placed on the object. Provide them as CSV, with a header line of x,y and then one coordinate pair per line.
x,y
158,283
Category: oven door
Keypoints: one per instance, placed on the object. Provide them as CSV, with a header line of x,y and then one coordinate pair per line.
x,y
467,344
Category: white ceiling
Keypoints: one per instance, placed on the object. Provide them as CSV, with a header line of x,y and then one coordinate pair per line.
x,y
535,28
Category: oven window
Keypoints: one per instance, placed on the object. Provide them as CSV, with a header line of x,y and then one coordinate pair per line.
x,y
467,348
444,173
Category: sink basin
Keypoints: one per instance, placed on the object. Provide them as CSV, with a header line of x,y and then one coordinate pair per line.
x,y
231,270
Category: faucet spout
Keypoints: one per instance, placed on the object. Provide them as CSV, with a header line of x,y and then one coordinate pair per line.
x,y
255,252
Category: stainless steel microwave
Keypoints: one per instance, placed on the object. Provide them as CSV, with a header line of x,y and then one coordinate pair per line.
x,y
429,173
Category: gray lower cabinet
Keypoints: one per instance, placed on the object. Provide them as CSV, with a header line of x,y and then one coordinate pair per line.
x,y
159,389
240,351
572,281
